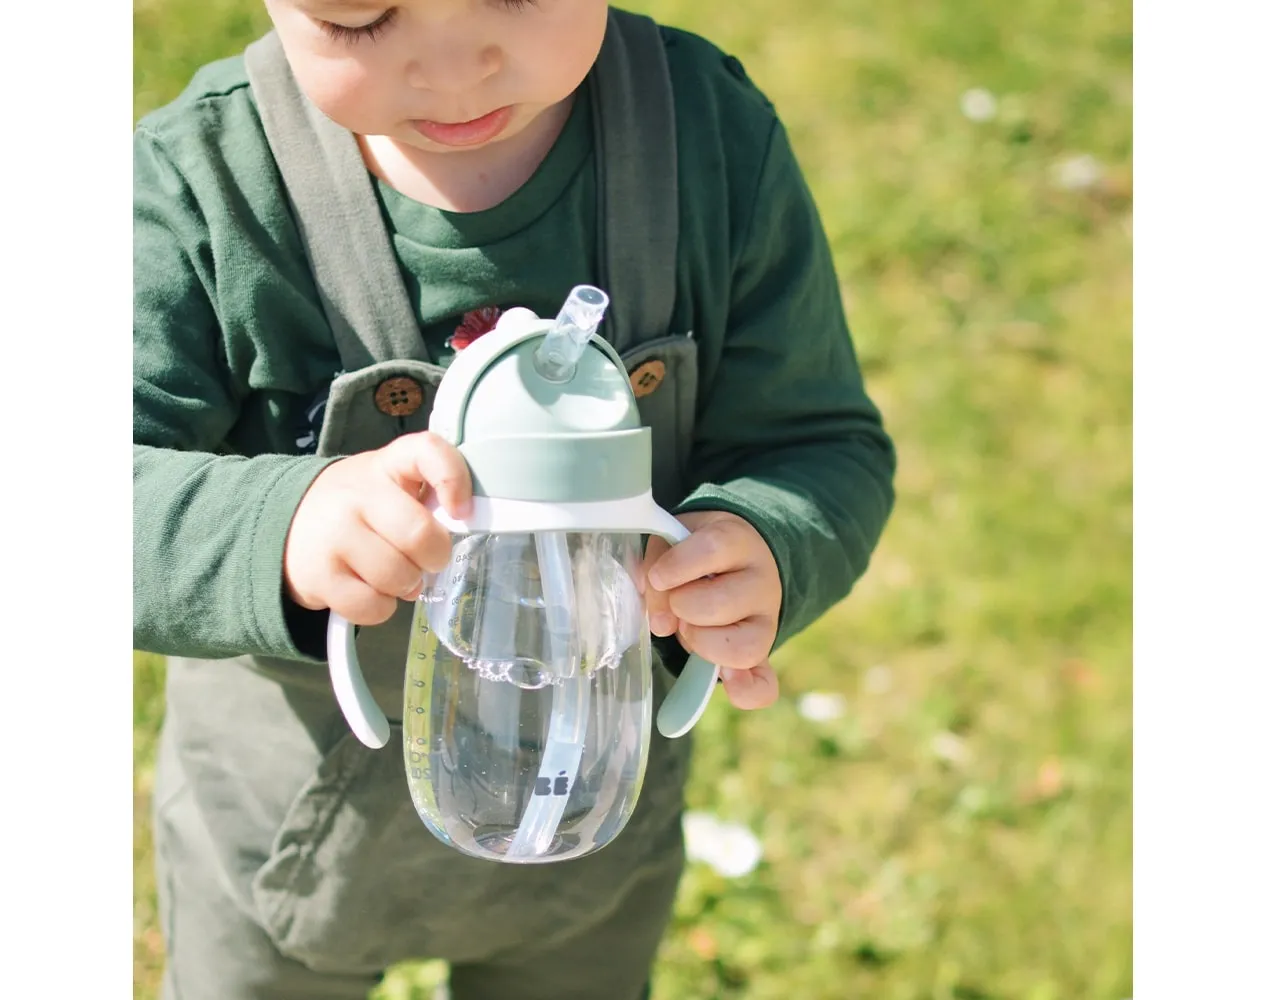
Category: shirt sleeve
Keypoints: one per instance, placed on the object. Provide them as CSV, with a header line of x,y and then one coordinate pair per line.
x,y
787,437
208,528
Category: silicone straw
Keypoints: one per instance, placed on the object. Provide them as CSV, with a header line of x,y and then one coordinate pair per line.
x,y
569,716
577,322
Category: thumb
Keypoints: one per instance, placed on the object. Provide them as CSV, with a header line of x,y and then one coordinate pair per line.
x,y
663,621
416,461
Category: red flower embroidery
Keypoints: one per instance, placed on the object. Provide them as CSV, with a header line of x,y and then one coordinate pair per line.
x,y
474,325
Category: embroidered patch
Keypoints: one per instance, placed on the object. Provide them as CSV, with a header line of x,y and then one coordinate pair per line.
x,y
474,325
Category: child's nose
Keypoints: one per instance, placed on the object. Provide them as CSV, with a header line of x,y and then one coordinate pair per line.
x,y
453,69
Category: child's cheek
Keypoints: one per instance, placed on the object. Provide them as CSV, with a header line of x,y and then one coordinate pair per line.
x,y
344,92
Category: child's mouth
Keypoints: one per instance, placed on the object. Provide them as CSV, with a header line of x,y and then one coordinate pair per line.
x,y
471,133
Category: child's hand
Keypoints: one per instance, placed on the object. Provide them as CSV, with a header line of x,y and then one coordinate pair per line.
x,y
361,537
719,590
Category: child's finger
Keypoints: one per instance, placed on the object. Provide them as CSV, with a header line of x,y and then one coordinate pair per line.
x,y
739,646
717,547
379,564
751,689
663,621
406,524
415,461
359,602
655,548
722,600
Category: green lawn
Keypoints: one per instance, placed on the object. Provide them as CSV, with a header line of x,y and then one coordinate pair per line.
x,y
963,830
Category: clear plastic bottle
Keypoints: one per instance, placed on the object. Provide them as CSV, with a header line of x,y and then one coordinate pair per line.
x,y
528,695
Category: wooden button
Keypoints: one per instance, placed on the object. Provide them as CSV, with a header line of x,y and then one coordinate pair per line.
x,y
647,377
398,397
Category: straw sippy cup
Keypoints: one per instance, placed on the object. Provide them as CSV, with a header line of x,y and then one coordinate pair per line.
x,y
528,691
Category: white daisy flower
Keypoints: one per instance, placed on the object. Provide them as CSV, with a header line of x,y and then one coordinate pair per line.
x,y
978,105
950,748
729,849
821,706
1078,173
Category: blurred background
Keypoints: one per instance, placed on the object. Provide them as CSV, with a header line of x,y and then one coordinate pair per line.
x,y
939,808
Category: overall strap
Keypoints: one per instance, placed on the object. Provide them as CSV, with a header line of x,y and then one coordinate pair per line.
x,y
352,259
635,134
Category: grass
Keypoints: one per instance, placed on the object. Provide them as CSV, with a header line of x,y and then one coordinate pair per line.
x,y
963,831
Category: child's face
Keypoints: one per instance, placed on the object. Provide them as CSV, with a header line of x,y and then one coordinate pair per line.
x,y
439,75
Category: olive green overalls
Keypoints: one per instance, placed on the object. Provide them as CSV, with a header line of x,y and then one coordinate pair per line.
x,y
291,863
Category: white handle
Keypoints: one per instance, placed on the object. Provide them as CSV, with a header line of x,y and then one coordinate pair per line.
x,y
350,690
684,705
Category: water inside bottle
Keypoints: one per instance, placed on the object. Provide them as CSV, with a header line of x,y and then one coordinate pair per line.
x,y
528,695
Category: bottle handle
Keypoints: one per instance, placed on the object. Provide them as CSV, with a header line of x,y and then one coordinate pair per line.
x,y
351,692
684,705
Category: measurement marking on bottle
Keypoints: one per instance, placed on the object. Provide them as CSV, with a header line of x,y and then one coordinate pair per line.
x,y
420,711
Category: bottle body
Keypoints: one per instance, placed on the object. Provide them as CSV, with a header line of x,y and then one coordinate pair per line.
x,y
528,695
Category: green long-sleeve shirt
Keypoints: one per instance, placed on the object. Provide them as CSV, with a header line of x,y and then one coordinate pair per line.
x,y
232,352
